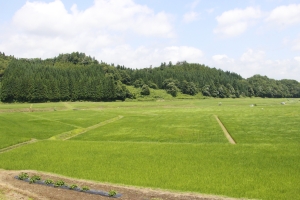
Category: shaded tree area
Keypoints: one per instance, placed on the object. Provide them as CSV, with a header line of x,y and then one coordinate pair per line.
x,y
262,86
189,79
75,76
34,80
4,61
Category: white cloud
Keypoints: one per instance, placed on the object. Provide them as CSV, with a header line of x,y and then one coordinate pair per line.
x,y
252,56
254,62
296,44
190,16
235,22
142,56
101,31
40,29
194,4
221,59
297,58
283,16
114,15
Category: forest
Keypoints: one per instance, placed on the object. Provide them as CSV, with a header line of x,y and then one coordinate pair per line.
x,y
76,76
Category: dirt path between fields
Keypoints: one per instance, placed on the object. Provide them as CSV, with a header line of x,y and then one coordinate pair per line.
x,y
79,131
226,133
13,189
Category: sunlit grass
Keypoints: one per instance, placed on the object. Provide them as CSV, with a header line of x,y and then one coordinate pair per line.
x,y
175,144
188,125
252,171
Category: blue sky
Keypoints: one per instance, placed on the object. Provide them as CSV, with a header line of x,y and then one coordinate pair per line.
x,y
247,37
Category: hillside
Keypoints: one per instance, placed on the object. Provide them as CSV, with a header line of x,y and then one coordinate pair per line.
x,y
76,76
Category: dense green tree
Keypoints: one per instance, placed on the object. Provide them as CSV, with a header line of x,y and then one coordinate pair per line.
x,y
145,90
172,89
138,83
76,76
152,85
188,88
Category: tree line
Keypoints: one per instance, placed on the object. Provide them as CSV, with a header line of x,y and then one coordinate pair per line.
x,y
76,76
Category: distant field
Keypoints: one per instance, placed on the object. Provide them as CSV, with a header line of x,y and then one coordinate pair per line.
x,y
175,145
183,125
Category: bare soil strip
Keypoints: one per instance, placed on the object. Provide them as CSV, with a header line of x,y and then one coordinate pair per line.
x,y
13,189
228,136
18,145
76,132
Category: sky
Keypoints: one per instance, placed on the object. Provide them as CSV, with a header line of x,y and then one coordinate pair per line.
x,y
247,37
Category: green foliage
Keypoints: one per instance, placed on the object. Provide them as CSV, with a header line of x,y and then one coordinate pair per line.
x,y
59,183
77,77
49,181
188,88
23,176
73,186
152,85
34,178
145,90
26,82
4,61
112,193
172,89
74,58
138,83
85,188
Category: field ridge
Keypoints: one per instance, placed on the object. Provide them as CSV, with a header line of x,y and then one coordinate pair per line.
x,y
18,145
79,131
226,133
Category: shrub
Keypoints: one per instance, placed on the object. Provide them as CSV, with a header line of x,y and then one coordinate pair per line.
x,y
172,89
112,193
145,90
85,188
59,183
34,178
73,186
48,182
23,176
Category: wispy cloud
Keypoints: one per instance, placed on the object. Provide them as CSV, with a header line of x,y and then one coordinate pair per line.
x,y
235,22
36,31
284,16
193,4
254,62
190,16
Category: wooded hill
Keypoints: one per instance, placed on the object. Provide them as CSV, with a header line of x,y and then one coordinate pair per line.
x,y
76,76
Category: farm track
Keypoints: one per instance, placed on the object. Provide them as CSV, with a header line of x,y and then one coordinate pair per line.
x,y
226,133
76,132
18,145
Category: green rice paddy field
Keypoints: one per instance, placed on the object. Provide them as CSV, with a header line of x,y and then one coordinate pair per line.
x,y
173,145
